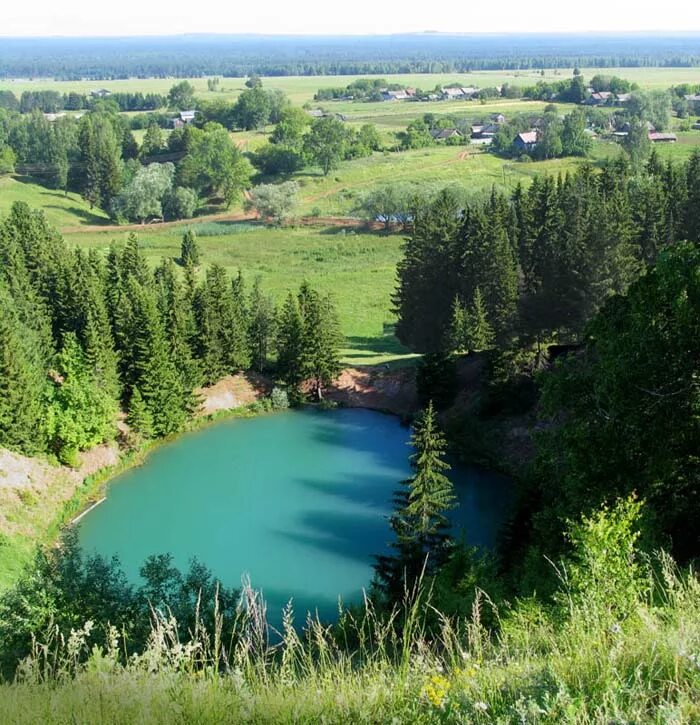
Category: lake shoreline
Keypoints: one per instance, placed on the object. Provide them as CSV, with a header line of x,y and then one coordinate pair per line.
x,y
299,501
378,388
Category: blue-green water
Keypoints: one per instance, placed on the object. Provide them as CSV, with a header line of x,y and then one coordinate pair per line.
x,y
297,500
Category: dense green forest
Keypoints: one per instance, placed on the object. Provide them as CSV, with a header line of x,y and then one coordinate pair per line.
x,y
240,55
554,264
83,336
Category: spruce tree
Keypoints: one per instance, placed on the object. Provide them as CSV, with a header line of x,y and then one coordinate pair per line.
x,y
290,344
458,326
262,325
222,331
427,275
23,384
420,523
478,333
156,375
92,324
321,339
189,250
139,417
179,323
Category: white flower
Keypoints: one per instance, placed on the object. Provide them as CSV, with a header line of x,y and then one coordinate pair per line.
x,y
481,706
616,628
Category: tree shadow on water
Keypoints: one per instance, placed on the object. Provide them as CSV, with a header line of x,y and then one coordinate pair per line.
x,y
367,431
351,536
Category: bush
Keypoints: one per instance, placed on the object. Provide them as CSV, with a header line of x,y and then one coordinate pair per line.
x,y
180,203
279,399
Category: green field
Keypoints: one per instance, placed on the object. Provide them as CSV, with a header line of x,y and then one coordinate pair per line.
x,y
358,269
302,88
62,210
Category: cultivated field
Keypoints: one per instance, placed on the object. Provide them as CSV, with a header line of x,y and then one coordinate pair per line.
x,y
301,89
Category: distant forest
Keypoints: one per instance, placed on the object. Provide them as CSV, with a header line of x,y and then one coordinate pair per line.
x,y
240,55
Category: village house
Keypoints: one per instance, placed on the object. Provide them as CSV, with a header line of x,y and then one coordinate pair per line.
x,y
656,137
183,119
526,141
498,118
469,92
100,93
394,95
442,134
599,98
489,131
452,94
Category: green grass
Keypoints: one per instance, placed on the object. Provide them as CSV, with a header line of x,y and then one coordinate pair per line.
x,y
61,210
579,664
358,269
477,170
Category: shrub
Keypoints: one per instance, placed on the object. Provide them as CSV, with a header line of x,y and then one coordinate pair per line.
x,y
180,203
279,399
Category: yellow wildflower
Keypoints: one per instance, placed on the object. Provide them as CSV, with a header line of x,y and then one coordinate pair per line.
x,y
436,690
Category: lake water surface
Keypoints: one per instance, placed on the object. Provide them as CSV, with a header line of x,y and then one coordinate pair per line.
x,y
298,500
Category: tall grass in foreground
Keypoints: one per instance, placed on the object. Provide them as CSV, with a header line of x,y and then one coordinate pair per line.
x,y
621,644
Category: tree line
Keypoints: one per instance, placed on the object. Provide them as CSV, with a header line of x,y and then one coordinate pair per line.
x,y
82,336
239,56
536,266
48,101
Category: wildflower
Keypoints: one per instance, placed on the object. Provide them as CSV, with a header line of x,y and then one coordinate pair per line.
x,y
481,706
615,628
436,690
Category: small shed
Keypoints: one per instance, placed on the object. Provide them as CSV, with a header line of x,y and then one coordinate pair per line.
x,y
656,137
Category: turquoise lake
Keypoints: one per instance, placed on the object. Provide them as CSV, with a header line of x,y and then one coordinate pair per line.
x,y
297,500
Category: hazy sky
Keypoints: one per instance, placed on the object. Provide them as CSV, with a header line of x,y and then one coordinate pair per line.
x,y
129,17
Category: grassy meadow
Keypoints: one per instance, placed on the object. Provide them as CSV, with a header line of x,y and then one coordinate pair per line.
x,y
62,210
358,269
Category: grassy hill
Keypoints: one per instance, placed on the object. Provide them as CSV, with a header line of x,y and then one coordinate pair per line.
x,y
62,210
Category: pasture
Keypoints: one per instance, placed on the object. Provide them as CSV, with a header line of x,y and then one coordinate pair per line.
x,y
357,267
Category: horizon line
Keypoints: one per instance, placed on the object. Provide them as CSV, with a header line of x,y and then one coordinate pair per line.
x,y
452,34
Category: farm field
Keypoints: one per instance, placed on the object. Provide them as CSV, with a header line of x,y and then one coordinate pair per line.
x,y
358,269
301,89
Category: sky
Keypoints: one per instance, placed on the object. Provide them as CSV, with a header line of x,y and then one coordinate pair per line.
x,y
168,17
